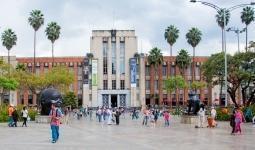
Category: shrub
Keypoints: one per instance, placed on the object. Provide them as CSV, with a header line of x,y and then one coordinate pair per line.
x,y
223,114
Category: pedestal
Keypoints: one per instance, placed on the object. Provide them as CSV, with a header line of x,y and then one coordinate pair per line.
x,y
188,119
42,119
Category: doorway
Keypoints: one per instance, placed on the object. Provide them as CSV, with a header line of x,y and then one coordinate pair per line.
x,y
114,101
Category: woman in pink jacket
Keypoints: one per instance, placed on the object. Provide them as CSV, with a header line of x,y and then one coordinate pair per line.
x,y
239,118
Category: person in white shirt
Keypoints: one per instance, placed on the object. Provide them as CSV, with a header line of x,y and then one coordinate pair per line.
x,y
213,113
24,113
201,117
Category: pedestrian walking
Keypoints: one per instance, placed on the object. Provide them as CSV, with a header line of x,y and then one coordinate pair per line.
x,y
90,114
55,116
117,116
232,122
201,117
10,111
146,114
239,119
66,115
166,118
15,117
24,114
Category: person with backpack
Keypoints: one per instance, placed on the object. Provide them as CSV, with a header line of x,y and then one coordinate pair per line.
x,y
24,114
15,117
55,116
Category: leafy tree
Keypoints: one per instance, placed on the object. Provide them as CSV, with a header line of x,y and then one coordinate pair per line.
x,y
9,39
251,46
247,16
171,35
197,85
155,59
52,33
193,37
36,20
70,99
220,20
183,60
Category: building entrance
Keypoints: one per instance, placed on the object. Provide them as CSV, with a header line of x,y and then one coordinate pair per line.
x,y
114,101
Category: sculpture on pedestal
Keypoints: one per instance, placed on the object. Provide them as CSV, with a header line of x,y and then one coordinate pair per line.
x,y
49,96
193,103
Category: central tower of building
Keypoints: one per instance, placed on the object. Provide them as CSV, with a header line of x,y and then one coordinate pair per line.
x,y
112,71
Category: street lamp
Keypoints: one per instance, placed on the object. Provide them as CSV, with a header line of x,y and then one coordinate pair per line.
x,y
237,31
217,8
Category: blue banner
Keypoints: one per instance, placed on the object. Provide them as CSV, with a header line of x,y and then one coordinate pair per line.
x,y
133,72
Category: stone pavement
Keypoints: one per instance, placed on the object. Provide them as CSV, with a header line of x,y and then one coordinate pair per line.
x,y
130,135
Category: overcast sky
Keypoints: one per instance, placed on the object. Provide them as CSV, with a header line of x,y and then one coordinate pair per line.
x,y
148,18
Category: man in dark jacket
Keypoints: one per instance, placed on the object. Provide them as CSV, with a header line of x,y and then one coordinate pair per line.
x,y
15,117
117,116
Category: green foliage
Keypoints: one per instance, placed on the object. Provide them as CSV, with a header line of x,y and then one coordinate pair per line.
x,y
194,36
8,83
175,82
221,116
53,31
171,34
220,17
247,15
197,85
9,38
183,60
36,19
70,99
155,57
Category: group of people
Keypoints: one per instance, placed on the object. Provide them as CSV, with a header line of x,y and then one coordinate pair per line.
x,y
152,115
107,115
14,116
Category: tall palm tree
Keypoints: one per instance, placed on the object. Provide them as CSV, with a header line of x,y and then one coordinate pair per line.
x,y
155,59
9,39
193,37
52,33
36,20
171,35
183,60
220,20
247,16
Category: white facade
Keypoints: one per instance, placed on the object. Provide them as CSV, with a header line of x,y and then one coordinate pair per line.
x,y
112,49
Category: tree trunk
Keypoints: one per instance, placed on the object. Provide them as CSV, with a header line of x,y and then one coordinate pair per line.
x,y
52,51
222,39
171,52
152,76
233,97
193,65
9,63
244,95
160,89
34,51
246,42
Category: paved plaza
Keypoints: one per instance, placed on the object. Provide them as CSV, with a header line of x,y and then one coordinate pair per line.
x,y
130,135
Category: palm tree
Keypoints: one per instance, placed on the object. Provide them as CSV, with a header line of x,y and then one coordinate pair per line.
x,y
220,20
155,59
9,39
247,16
52,33
20,67
171,35
36,20
183,60
193,38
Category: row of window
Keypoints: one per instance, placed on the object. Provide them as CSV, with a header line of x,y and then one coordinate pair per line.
x,y
172,70
105,84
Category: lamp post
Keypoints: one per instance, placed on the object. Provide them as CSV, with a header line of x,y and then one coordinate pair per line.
x,y
237,31
217,8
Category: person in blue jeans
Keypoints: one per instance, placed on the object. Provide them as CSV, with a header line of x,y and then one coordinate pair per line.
x,y
55,115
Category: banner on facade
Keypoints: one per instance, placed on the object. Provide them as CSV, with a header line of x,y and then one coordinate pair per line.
x,y
133,72
94,72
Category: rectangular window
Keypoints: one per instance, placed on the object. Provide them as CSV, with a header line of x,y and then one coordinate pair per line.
x,y
147,84
122,84
172,70
164,70
105,84
156,84
122,57
147,70
137,69
114,84
137,82
30,99
197,72
105,55
113,57
188,70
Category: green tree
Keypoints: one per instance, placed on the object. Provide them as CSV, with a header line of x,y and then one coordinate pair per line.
x,y
247,16
220,20
155,59
183,60
193,37
70,99
52,33
251,46
195,85
171,35
174,83
9,39
36,20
